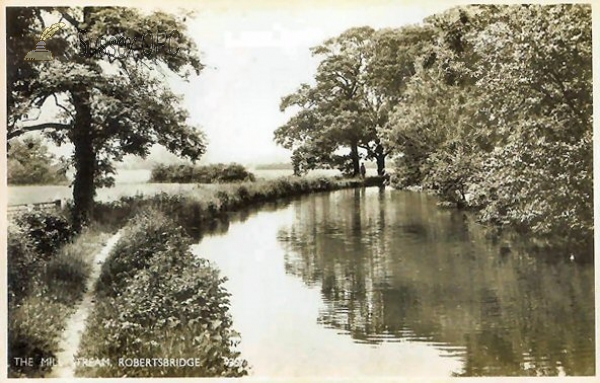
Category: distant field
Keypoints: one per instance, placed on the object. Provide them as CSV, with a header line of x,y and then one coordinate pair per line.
x,y
34,194
128,182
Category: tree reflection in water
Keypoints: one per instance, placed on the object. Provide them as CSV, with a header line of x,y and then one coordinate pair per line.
x,y
392,266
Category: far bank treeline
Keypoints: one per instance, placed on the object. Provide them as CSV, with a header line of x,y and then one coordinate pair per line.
x,y
489,106
214,173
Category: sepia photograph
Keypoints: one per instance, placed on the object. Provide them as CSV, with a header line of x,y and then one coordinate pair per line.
x,y
302,189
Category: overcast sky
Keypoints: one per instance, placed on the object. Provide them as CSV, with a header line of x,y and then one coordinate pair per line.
x,y
257,53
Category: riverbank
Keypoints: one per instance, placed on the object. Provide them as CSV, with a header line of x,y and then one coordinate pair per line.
x,y
158,302
183,216
196,209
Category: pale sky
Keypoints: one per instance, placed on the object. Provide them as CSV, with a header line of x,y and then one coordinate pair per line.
x,y
255,53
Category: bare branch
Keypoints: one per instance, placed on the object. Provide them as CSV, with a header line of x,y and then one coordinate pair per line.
x,y
61,106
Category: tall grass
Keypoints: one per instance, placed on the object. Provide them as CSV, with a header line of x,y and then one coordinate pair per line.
x,y
37,318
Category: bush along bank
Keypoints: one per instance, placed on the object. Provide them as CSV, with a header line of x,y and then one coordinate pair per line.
x,y
195,213
208,174
46,279
160,311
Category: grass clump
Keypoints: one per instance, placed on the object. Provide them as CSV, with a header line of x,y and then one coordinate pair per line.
x,y
22,263
157,301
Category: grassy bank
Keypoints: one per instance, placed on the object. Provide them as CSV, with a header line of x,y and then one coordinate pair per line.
x,y
157,302
44,289
195,211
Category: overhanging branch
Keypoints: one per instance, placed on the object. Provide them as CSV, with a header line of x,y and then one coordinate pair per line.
x,y
33,128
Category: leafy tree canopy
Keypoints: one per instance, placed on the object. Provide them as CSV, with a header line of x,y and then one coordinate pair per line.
x,y
109,82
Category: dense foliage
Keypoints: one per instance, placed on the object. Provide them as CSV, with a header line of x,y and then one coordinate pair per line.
x,y
207,174
488,106
502,120
33,239
30,163
157,300
128,109
47,231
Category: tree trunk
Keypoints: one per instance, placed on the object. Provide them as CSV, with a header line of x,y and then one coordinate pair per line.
x,y
380,158
85,160
355,159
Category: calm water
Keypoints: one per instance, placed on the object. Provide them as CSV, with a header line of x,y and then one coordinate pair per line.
x,y
382,283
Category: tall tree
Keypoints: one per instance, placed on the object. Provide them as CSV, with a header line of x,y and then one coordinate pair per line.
x,y
392,63
361,78
108,79
332,113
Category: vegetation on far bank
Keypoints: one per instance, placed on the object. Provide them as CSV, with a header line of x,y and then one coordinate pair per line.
x,y
206,174
488,106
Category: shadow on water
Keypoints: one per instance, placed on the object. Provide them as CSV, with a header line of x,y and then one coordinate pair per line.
x,y
392,266
220,225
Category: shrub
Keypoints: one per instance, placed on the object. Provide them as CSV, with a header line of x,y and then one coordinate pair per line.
x,y
215,173
147,234
450,172
542,188
232,173
47,231
32,333
163,302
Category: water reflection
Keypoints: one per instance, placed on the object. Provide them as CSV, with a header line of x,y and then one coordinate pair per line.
x,y
391,266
